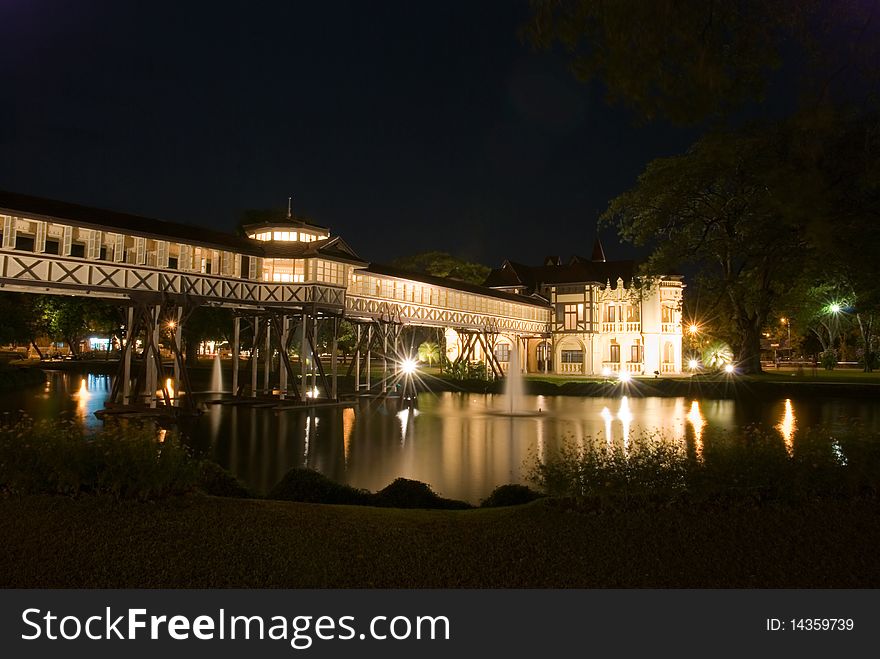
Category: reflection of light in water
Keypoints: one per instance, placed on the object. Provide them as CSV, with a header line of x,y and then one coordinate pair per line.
x,y
696,419
626,417
306,443
678,420
347,429
540,439
608,417
82,398
162,433
787,426
838,452
405,415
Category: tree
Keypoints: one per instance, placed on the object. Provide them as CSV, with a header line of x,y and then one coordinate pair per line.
x,y
429,352
722,208
443,264
841,194
692,60
205,323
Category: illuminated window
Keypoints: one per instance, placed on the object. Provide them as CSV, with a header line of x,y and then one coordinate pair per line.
x,y
610,313
668,315
615,353
572,356
502,352
635,354
571,316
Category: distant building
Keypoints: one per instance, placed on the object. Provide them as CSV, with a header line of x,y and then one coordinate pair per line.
x,y
605,318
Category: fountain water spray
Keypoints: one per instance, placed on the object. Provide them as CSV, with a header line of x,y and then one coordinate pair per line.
x,y
217,377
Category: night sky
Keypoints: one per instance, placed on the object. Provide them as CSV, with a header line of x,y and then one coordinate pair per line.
x,y
404,126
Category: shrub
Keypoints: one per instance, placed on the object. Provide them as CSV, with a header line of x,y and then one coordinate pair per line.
x,y
309,486
125,461
754,464
406,493
218,482
510,495
828,359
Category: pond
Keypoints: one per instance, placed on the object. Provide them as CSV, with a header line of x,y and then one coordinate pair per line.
x,y
458,443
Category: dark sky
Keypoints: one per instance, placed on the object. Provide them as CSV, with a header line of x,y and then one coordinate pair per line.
x,y
404,126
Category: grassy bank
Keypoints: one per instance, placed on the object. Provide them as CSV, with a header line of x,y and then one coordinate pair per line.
x,y
775,385
200,541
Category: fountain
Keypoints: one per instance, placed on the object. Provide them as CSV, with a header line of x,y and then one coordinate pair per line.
x,y
217,377
513,385
514,389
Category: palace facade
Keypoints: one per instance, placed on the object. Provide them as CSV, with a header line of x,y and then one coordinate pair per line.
x,y
604,320
586,316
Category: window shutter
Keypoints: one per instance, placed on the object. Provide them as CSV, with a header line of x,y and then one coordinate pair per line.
x,y
9,232
93,245
184,260
66,241
40,237
162,254
119,248
140,251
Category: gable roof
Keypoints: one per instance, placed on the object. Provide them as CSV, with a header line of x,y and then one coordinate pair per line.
x,y
390,271
334,248
39,208
578,271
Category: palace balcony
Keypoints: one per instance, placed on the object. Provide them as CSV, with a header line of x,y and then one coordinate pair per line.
x,y
633,368
670,328
632,326
571,369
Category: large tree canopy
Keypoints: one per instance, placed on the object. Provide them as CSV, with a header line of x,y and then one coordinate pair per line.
x,y
691,60
723,210
442,264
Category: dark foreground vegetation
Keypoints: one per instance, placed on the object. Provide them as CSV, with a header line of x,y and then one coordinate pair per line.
x,y
121,510
198,541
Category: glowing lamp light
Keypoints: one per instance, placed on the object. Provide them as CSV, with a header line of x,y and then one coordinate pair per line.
x,y
835,308
408,366
694,328
624,376
171,324
729,368
693,364
606,372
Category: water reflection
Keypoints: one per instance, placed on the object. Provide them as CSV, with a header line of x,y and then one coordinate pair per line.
x,y
626,417
787,426
89,397
698,422
451,441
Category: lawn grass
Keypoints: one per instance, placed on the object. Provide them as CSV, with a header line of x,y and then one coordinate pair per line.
x,y
200,541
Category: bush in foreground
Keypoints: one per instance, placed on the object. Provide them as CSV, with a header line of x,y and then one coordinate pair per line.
x,y
406,493
309,486
217,481
124,461
754,464
510,495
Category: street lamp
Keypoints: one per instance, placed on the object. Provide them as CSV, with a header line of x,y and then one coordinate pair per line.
x,y
787,324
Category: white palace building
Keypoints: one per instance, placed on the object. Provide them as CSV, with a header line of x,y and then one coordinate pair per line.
x,y
604,318
583,317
